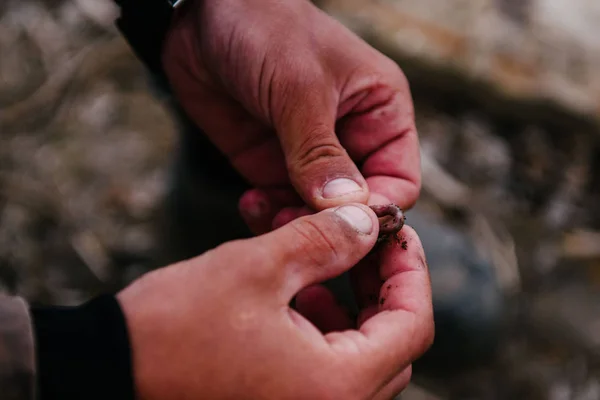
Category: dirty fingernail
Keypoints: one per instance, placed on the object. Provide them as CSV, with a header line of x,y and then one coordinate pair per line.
x,y
357,217
340,187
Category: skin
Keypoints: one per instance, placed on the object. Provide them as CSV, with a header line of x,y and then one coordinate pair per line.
x,y
220,326
295,100
302,108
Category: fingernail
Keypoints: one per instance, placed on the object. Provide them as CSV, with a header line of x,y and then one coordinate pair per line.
x,y
340,187
357,217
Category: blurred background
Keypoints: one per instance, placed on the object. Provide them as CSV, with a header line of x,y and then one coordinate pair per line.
x,y
507,96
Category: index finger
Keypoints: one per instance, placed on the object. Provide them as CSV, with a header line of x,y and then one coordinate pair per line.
x,y
403,328
381,136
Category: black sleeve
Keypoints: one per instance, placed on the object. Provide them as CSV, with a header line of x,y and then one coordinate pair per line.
x,y
83,352
144,24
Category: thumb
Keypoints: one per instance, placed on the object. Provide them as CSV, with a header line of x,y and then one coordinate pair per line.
x,y
318,247
320,169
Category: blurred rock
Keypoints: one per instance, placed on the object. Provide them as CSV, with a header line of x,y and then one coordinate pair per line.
x,y
468,303
485,158
570,312
531,50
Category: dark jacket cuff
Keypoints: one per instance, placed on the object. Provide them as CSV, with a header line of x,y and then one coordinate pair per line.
x,y
83,352
144,24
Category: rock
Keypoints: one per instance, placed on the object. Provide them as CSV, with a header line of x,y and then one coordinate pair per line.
x,y
540,50
485,158
570,313
467,300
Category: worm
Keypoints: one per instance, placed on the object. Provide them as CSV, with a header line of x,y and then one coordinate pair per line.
x,y
391,219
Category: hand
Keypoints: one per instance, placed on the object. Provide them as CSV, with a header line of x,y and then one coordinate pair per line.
x,y
307,112
220,327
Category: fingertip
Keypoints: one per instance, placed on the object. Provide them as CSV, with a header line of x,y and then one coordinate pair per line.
x,y
254,203
257,210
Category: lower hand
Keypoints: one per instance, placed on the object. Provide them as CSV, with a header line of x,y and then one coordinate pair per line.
x,y
220,326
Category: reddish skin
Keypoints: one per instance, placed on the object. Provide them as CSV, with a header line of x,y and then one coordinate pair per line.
x,y
220,326
293,111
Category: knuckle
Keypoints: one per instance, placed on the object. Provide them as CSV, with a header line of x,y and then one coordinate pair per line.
x,y
317,144
316,242
299,68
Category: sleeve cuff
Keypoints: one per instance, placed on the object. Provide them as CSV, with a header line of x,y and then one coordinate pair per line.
x,y
83,352
144,25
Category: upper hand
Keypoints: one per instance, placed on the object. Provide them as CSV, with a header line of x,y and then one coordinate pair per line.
x,y
304,109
